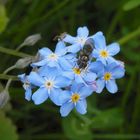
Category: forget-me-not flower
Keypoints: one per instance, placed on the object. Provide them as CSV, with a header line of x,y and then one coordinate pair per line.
x,y
102,52
52,59
74,98
107,77
50,84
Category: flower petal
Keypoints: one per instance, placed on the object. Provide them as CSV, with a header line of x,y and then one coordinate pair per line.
x,y
85,91
112,86
61,81
64,97
113,49
45,52
54,96
28,94
60,48
39,63
99,40
81,106
100,85
74,48
64,63
40,96
90,77
118,72
35,79
66,109
83,31
69,39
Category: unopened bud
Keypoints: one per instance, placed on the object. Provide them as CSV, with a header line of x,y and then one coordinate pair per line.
x,y
31,40
4,98
23,62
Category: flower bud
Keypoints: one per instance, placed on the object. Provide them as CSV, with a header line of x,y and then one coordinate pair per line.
x,y
31,40
23,62
4,98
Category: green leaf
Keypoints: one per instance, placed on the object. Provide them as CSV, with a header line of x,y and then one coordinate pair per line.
x,y
3,18
108,119
75,128
7,129
131,4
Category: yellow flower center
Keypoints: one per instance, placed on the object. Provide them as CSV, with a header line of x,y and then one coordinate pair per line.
x,y
76,71
75,97
104,53
53,57
107,76
48,84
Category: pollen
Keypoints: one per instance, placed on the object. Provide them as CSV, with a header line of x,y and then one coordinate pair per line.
x,y
77,71
104,53
107,76
75,97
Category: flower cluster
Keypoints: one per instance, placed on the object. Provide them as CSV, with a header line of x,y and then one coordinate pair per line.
x,y
73,72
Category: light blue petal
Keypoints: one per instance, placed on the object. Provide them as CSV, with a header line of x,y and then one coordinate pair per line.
x,y
74,48
64,97
100,85
85,91
96,66
102,60
61,81
99,40
79,79
54,96
40,96
22,77
60,48
112,86
110,60
66,108
68,74
95,53
53,64
35,79
113,49
64,63
40,63
118,72
90,77
69,39
45,52
28,94
75,87
81,106
83,31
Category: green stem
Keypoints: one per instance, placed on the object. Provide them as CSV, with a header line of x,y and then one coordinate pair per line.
x,y
13,52
128,37
7,77
9,69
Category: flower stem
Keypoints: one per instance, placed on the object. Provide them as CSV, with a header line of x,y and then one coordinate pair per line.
x,y
128,37
7,77
13,52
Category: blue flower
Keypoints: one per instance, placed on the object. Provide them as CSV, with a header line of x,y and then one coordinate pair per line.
x,y
107,77
77,42
50,83
102,52
26,85
74,98
52,59
78,75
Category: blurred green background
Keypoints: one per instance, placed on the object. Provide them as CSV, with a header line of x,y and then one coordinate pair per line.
x,y
110,116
